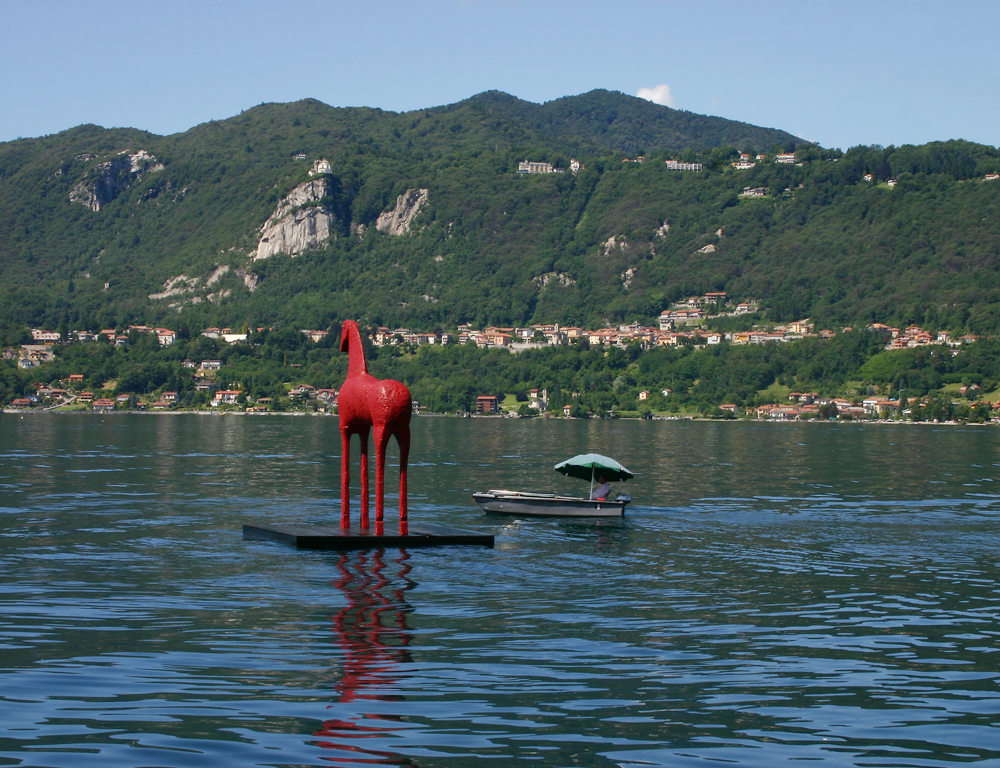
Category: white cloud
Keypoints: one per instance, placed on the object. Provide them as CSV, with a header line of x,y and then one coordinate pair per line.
x,y
659,94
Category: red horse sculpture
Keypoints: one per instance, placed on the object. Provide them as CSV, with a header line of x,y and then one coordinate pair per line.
x,y
365,404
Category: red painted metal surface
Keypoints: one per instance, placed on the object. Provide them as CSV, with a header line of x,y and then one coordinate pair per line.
x,y
367,405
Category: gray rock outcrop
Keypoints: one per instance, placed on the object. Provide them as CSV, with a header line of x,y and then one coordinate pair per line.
x,y
112,177
300,223
398,220
185,291
558,278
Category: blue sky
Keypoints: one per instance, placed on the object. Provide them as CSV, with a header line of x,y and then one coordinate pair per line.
x,y
839,73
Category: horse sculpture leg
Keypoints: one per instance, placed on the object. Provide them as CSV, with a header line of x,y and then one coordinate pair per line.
x,y
381,441
403,438
363,434
345,479
382,436
345,476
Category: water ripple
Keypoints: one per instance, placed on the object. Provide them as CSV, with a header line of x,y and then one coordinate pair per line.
x,y
840,605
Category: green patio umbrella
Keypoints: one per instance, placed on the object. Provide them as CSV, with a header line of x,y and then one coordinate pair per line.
x,y
586,466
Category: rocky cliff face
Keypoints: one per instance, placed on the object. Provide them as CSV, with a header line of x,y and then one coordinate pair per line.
x,y
184,291
398,220
109,179
300,222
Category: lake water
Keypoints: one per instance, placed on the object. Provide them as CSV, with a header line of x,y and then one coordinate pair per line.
x,y
777,594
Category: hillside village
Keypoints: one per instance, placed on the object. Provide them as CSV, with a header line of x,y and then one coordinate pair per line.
x,y
680,325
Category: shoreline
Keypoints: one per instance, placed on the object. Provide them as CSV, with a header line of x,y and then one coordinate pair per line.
x,y
301,414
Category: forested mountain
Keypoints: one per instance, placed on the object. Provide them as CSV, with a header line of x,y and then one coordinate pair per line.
x,y
422,219
599,122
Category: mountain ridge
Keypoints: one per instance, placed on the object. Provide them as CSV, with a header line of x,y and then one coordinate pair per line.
x,y
818,241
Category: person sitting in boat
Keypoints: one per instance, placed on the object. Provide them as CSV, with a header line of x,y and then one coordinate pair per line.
x,y
601,492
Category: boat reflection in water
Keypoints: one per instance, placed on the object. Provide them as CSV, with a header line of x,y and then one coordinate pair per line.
x,y
374,637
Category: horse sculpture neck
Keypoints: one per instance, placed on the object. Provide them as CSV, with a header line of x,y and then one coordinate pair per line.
x,y
351,342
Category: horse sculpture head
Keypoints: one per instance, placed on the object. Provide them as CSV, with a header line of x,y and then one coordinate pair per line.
x,y
348,329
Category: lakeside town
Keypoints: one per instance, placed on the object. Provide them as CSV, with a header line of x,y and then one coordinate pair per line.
x,y
680,325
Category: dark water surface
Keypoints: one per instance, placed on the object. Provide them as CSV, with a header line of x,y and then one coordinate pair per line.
x,y
778,594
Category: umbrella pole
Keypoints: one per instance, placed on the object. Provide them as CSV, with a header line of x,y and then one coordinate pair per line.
x,y
591,494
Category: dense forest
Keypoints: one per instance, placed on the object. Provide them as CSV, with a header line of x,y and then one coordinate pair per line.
x,y
624,239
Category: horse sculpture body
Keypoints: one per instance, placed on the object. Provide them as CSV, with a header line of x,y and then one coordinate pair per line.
x,y
368,404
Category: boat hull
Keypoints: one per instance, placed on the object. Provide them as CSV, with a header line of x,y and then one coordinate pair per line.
x,y
547,505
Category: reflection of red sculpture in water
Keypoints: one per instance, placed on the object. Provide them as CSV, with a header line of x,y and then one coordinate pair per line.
x,y
365,403
373,634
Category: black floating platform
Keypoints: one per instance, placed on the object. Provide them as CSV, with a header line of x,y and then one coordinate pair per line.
x,y
305,536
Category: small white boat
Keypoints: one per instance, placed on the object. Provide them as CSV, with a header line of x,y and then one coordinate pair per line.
x,y
548,504
585,466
